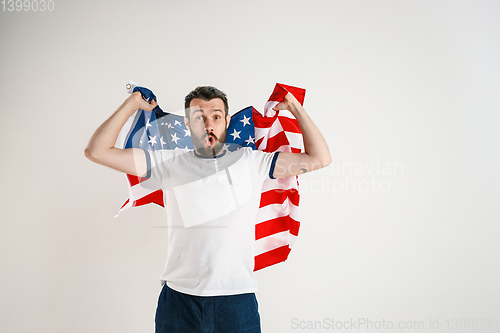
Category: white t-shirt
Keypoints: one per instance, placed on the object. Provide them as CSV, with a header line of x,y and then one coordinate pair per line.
x,y
211,206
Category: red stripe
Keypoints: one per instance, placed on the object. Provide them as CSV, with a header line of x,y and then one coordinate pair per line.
x,y
278,196
279,224
134,180
155,197
126,202
276,142
273,197
294,196
294,228
278,94
271,257
258,143
298,93
289,125
280,91
263,122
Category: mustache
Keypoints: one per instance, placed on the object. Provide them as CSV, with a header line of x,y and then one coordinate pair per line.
x,y
212,135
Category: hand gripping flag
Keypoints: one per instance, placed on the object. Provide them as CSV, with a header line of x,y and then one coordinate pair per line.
x,y
277,224
151,131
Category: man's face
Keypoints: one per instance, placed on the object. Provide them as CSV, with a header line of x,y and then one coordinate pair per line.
x,y
208,125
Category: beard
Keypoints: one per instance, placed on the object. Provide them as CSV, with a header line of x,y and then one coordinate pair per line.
x,y
209,145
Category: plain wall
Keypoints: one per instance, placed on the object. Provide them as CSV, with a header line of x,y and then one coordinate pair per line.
x,y
403,227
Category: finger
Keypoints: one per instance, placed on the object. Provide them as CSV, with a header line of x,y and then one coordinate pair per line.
x,y
283,105
290,97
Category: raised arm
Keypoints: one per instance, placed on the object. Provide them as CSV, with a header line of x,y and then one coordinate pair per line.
x,y
101,147
316,153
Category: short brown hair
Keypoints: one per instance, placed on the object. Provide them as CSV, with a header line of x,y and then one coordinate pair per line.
x,y
205,93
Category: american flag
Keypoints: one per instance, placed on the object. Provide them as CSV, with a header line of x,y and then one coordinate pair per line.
x,y
277,224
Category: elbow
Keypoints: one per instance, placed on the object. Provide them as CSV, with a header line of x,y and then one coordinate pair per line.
x,y
90,154
326,162
329,160
319,162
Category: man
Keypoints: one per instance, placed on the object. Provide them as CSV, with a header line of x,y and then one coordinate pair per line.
x,y
212,197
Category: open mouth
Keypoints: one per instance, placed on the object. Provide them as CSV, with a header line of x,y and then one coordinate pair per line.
x,y
209,140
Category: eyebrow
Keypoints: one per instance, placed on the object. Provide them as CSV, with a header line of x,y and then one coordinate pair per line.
x,y
216,110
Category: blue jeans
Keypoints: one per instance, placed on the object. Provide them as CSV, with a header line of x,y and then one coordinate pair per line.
x,y
182,313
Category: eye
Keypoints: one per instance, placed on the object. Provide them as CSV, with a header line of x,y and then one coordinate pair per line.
x,y
217,117
198,118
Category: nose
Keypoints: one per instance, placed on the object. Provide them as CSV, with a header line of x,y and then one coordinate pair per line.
x,y
209,127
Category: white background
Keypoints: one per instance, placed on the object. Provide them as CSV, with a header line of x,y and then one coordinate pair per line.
x,y
404,228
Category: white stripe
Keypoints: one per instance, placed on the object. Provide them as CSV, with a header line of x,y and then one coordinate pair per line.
x,y
270,212
268,109
272,242
275,129
127,206
291,240
280,184
124,132
269,112
261,132
287,114
295,139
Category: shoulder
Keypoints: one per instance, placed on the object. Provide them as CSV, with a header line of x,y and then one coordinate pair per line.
x,y
263,161
166,155
255,154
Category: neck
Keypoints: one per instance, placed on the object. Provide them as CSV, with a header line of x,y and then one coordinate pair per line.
x,y
210,153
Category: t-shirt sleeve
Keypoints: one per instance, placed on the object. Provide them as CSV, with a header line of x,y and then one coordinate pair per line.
x,y
265,163
157,162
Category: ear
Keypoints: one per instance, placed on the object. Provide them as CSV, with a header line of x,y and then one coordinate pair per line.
x,y
228,119
186,122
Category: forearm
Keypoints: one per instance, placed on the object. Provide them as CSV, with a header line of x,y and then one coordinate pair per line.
x,y
315,144
104,138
